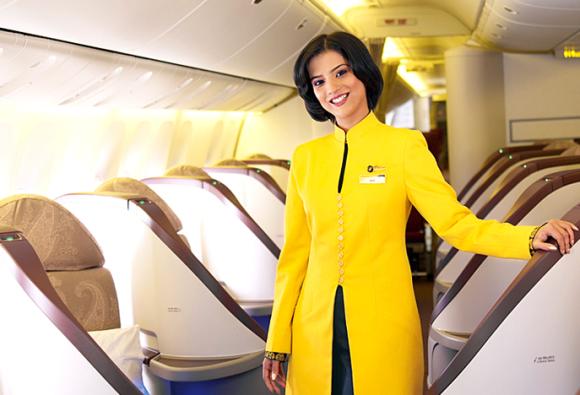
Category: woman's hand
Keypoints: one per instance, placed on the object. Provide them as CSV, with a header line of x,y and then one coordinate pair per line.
x,y
273,375
562,231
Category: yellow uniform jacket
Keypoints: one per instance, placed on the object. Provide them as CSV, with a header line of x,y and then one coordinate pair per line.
x,y
357,239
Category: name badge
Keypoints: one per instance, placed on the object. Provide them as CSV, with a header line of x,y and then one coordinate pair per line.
x,y
378,179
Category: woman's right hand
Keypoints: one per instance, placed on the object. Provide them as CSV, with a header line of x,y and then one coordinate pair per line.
x,y
273,375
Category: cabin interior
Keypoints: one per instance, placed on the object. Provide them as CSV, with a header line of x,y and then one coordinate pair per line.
x,y
153,139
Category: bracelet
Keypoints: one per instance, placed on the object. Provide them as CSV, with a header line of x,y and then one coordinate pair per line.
x,y
531,239
276,356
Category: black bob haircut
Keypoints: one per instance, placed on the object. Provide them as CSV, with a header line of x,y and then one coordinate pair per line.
x,y
357,56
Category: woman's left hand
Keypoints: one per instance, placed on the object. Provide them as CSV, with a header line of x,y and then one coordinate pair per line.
x,y
561,231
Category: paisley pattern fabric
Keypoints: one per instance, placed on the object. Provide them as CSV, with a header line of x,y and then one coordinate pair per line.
x,y
186,171
90,295
59,239
130,185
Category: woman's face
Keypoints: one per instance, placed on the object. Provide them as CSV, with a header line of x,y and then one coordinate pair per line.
x,y
337,89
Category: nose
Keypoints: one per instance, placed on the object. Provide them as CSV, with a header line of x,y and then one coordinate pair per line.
x,y
332,86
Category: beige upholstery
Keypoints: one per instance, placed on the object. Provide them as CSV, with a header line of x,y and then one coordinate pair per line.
x,y
259,156
232,162
130,185
186,171
59,239
560,144
90,296
572,151
70,255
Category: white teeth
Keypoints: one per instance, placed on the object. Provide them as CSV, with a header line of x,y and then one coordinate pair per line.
x,y
338,99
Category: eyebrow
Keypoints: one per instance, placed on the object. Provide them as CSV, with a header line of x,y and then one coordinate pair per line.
x,y
334,68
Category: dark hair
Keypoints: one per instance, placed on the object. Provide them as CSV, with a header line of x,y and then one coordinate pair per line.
x,y
358,57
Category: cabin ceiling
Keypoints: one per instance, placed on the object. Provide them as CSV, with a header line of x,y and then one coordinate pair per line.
x,y
237,37
258,41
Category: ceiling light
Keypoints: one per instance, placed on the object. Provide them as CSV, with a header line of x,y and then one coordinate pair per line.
x,y
185,83
413,80
391,50
510,10
339,7
117,71
146,76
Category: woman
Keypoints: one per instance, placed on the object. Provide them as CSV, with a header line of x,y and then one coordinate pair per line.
x,y
344,307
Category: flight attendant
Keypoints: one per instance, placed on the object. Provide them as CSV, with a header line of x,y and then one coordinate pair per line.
x,y
344,311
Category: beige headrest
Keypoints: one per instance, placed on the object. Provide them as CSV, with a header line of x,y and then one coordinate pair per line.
x,y
130,185
59,239
560,144
186,171
259,156
572,151
232,162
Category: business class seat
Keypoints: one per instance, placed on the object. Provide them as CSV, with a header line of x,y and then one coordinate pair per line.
x,y
484,278
205,341
528,342
227,240
490,161
498,205
258,193
477,198
54,289
277,168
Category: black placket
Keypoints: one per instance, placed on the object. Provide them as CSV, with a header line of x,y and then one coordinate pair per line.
x,y
343,167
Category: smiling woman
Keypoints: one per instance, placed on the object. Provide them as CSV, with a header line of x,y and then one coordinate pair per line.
x,y
344,307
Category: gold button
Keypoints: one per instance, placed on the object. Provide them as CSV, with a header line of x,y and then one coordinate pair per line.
x,y
340,254
340,246
341,279
339,197
339,205
340,230
341,237
340,213
340,221
341,271
340,262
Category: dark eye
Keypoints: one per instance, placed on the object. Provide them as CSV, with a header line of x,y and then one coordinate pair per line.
x,y
341,72
317,82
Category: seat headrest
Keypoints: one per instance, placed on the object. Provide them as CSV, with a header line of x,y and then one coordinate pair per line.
x,y
259,156
232,162
559,144
186,171
572,151
60,240
130,185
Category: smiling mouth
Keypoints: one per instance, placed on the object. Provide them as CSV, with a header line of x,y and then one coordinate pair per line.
x,y
339,100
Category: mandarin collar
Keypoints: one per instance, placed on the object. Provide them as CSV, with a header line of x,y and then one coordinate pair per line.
x,y
357,130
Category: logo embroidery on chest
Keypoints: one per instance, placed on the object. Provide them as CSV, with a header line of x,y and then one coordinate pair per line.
x,y
376,174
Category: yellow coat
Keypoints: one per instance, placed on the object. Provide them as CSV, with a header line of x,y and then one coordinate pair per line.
x,y
381,314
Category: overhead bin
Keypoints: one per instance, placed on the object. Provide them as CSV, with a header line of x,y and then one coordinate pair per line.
x,y
497,207
528,342
176,34
258,193
480,284
40,71
54,289
229,242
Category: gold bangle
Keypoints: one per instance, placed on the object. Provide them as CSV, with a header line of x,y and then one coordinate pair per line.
x,y
276,356
531,239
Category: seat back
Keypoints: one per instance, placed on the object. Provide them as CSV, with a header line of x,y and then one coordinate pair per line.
x,y
51,273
